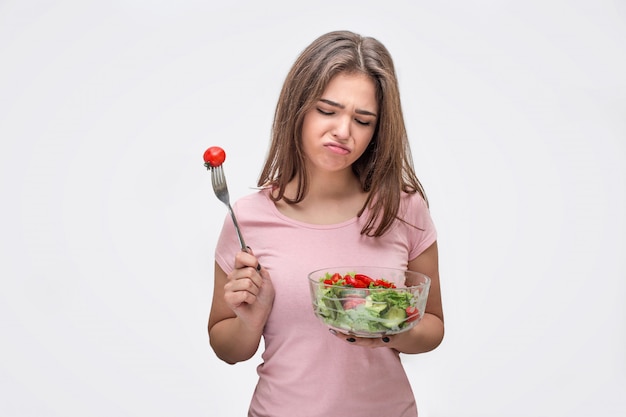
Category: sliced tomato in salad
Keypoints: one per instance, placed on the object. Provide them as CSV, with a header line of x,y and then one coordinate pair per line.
x,y
363,280
412,313
352,301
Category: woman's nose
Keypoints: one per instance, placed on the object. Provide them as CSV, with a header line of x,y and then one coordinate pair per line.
x,y
341,129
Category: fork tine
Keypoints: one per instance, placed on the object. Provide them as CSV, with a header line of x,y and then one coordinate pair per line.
x,y
221,178
219,185
218,179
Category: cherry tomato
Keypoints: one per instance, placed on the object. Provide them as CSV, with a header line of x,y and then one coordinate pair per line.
x,y
352,303
349,280
214,156
359,284
352,298
382,283
364,279
412,314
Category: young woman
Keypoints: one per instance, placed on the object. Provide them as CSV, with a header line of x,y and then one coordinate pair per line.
x,y
339,188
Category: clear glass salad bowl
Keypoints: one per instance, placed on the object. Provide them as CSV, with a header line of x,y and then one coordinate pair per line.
x,y
368,301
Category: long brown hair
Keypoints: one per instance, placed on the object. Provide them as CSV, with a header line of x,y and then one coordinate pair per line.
x,y
385,169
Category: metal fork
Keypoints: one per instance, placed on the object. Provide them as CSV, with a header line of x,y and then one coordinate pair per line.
x,y
218,179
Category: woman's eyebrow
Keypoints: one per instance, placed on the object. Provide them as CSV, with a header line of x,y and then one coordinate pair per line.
x,y
341,106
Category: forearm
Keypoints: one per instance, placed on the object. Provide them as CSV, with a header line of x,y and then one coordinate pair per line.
x,y
424,337
232,341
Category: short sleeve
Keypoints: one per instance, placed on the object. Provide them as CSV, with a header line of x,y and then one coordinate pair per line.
x,y
227,246
421,228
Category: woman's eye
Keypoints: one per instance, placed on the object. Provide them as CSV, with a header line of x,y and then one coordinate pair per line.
x,y
362,123
322,111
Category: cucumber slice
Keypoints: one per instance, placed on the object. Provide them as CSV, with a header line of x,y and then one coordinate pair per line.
x,y
393,318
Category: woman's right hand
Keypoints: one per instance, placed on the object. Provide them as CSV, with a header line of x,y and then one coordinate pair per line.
x,y
249,293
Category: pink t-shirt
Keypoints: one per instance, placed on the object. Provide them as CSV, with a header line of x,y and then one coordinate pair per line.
x,y
306,371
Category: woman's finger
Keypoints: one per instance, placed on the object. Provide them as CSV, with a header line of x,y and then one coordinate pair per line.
x,y
237,298
246,274
243,259
363,341
242,284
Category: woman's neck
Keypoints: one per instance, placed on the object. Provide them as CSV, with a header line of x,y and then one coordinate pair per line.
x,y
330,199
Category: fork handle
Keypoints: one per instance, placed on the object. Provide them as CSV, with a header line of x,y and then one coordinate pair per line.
x,y
242,243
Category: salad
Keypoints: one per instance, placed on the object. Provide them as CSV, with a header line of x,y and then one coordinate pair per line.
x,y
360,304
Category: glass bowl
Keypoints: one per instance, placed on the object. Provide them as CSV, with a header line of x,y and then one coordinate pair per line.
x,y
368,301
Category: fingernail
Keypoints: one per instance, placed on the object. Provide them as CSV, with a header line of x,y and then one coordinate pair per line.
x,y
332,331
386,339
351,339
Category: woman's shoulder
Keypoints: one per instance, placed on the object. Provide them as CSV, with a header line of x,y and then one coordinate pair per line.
x,y
414,209
256,200
413,200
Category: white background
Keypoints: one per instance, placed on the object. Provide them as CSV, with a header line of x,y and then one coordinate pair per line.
x,y
516,115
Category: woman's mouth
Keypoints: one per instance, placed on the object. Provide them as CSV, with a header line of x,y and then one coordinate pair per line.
x,y
340,150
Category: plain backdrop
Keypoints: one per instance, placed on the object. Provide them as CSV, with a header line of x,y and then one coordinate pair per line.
x,y
516,112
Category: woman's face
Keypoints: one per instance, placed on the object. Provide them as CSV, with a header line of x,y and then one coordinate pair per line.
x,y
339,127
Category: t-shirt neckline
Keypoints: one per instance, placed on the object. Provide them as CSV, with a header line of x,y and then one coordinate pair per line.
x,y
300,223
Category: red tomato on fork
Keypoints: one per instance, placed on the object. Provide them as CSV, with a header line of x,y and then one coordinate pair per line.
x,y
214,156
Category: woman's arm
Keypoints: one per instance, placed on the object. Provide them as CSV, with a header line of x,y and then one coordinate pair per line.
x,y
241,305
428,333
